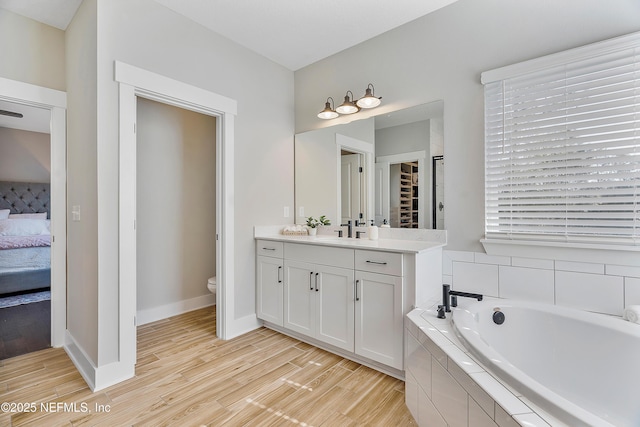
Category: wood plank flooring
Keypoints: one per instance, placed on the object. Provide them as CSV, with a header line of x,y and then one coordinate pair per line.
x,y
185,376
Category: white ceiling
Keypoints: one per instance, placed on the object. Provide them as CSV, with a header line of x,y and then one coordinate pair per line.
x,y
293,33
56,13
296,33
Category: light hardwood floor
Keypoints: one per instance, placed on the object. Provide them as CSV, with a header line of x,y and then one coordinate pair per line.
x,y
185,376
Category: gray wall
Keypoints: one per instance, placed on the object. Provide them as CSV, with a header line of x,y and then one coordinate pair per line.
x,y
403,139
176,204
24,156
147,35
82,156
441,56
32,52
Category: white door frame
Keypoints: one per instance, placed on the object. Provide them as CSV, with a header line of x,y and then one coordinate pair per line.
x,y
134,82
383,163
366,191
56,102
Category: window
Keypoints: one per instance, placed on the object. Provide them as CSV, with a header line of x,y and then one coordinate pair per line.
x,y
562,146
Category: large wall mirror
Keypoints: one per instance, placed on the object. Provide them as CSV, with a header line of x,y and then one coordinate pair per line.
x,y
387,168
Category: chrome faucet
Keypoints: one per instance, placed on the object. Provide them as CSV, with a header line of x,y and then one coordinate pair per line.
x,y
450,299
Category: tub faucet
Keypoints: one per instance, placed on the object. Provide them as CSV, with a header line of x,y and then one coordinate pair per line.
x,y
349,228
449,299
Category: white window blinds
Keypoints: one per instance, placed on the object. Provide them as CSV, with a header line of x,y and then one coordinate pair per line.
x,y
562,150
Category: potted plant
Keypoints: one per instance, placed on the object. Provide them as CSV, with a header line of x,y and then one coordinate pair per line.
x,y
313,224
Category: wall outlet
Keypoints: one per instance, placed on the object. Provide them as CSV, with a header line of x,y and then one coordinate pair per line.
x,y
75,213
286,211
301,211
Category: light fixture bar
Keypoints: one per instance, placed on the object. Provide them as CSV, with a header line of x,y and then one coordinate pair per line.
x,y
350,106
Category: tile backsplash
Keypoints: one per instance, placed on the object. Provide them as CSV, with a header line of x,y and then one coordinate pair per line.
x,y
597,287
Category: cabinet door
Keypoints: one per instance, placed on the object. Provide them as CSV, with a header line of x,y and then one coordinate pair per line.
x,y
379,318
334,307
270,289
299,296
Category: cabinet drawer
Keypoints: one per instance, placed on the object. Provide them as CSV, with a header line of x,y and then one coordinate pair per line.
x,y
269,248
379,262
324,255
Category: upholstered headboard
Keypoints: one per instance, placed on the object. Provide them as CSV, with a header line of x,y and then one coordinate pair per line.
x,y
25,197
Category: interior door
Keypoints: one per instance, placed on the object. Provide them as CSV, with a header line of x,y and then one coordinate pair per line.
x,y
350,185
381,177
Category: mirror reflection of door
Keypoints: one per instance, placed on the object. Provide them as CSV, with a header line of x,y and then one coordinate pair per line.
x,y
351,176
438,192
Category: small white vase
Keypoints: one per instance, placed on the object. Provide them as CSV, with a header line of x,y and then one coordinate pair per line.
x,y
312,231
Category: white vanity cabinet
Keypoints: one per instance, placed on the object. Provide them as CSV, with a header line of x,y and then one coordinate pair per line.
x,y
318,293
379,307
270,281
318,302
348,296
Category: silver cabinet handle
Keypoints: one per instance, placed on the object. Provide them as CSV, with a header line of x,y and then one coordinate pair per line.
x,y
357,298
310,276
268,249
377,262
317,282
279,271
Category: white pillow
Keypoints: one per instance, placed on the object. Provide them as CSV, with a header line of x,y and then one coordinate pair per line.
x,y
23,227
41,215
4,213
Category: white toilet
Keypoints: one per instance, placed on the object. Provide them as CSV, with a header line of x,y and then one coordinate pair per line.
x,y
211,284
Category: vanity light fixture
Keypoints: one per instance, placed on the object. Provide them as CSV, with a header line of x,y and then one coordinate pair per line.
x,y
328,112
369,100
348,106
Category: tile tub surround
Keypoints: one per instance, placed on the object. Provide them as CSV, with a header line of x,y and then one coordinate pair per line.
x,y
598,287
446,386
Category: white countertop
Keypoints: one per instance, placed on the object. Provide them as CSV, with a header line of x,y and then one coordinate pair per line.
x,y
418,244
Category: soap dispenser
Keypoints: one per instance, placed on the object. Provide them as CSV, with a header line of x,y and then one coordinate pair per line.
x,y
372,231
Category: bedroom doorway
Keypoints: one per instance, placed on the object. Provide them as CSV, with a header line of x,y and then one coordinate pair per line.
x,y
55,102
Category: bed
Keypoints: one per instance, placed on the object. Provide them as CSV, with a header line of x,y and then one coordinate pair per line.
x,y
25,240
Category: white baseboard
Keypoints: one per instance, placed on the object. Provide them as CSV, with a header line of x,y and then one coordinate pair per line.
x,y
96,378
164,311
242,326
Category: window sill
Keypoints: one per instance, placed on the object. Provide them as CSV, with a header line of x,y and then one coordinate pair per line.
x,y
580,252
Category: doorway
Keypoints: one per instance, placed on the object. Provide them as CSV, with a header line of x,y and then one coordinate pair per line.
x,y
56,103
352,185
176,204
135,82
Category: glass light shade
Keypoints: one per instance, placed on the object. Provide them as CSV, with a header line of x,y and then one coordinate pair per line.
x,y
368,100
347,107
326,115
328,112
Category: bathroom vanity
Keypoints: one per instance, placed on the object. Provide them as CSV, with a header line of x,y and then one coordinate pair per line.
x,y
346,295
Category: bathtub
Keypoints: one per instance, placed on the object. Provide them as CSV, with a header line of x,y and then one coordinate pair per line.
x,y
582,368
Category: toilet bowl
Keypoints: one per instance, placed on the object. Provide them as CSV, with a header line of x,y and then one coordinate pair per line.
x,y
211,284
